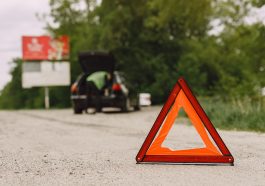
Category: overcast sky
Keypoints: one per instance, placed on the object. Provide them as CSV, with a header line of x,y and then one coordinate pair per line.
x,y
18,17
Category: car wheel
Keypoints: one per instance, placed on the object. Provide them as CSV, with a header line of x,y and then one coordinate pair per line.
x,y
77,110
98,109
126,105
137,107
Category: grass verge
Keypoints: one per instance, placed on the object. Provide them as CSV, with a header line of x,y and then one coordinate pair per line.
x,y
236,114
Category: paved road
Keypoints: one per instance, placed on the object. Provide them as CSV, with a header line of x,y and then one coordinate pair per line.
x,y
58,148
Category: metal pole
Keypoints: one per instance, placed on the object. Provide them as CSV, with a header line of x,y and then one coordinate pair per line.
x,y
47,98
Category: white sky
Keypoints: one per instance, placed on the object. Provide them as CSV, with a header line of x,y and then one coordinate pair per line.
x,y
18,17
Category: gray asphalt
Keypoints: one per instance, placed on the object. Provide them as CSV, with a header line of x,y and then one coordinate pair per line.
x,y
56,147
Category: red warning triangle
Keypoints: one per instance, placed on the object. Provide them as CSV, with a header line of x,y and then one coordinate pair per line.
x,y
182,97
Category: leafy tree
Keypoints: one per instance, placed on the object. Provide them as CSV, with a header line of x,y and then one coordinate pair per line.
x,y
14,97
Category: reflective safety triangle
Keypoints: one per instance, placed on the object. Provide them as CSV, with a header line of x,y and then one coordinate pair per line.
x,y
152,149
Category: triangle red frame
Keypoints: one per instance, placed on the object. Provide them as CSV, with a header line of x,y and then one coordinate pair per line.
x,y
225,157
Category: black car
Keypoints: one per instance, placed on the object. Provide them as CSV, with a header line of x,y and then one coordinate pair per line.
x,y
116,92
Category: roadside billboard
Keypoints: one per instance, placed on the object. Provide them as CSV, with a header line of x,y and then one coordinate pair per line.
x,y
45,62
45,48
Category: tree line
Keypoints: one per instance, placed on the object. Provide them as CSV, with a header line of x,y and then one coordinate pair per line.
x,y
155,42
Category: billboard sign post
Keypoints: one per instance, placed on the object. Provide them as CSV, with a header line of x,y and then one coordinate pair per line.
x,y
47,98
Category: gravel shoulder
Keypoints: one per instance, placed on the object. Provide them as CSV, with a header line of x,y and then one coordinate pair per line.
x,y
56,147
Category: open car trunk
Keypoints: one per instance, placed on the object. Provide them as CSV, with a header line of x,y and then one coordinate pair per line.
x,y
96,61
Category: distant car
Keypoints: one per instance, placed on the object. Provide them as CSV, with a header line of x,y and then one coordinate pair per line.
x,y
85,94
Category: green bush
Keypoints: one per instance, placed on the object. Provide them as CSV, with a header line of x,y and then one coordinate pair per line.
x,y
236,114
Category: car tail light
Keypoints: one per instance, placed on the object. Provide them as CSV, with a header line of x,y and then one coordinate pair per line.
x,y
116,87
74,88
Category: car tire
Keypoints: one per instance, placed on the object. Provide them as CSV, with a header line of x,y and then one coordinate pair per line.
x,y
77,110
137,107
98,109
126,105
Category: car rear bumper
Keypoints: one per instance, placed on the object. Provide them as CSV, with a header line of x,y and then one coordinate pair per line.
x,y
79,101
84,101
78,97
